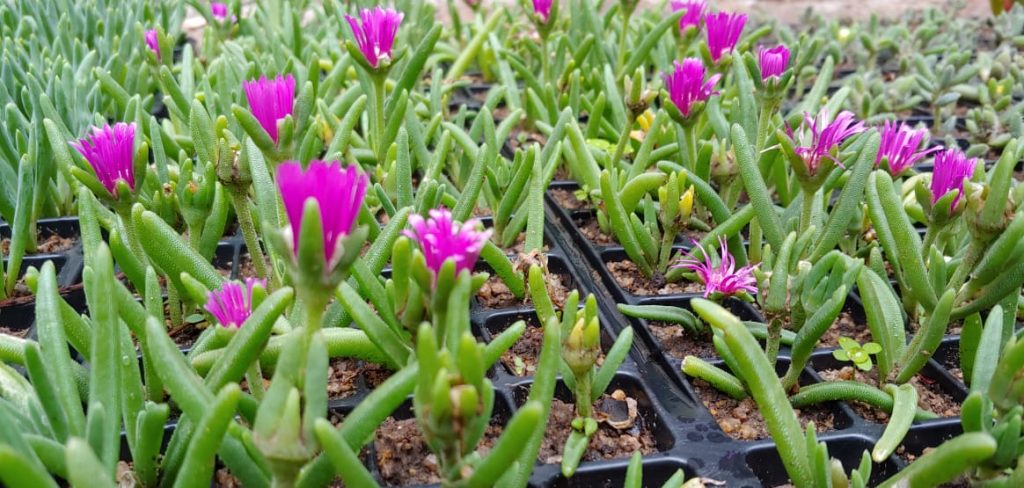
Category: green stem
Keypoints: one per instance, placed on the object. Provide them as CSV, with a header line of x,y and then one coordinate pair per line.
x,y
583,394
174,305
929,239
774,338
254,376
620,148
545,59
130,235
768,109
379,82
252,242
690,136
974,253
622,41
806,211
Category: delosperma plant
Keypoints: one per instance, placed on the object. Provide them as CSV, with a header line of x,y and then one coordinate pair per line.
x,y
307,237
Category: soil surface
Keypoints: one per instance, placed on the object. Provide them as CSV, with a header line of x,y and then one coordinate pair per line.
x,y
590,229
567,199
741,419
678,343
929,394
629,277
187,334
20,333
607,443
403,457
496,294
51,244
845,326
521,359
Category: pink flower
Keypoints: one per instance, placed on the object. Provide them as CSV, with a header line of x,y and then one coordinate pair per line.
x,y
220,11
686,85
338,192
951,168
542,8
694,12
271,100
773,62
232,304
724,31
820,136
442,239
153,41
901,147
376,35
723,279
111,153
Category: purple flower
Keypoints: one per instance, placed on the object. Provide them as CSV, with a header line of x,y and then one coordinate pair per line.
x,y
723,31
901,147
219,11
823,137
724,279
232,304
773,61
111,152
542,8
442,239
694,12
338,191
153,41
686,85
377,34
271,100
951,167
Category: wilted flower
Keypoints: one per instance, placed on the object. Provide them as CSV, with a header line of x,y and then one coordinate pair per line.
x,y
110,151
338,191
694,12
773,61
376,35
442,239
542,8
232,304
723,32
153,41
723,279
901,147
271,100
951,167
686,85
819,137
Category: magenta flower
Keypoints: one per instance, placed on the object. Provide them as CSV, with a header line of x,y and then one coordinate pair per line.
x,y
376,35
338,191
271,100
542,8
442,239
111,152
951,168
686,85
232,304
773,61
723,279
153,41
220,11
820,137
694,12
723,32
901,147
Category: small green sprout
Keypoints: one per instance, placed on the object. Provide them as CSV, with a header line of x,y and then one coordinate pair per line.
x,y
860,355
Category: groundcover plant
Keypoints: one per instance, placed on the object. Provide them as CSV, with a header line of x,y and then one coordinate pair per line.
x,y
535,243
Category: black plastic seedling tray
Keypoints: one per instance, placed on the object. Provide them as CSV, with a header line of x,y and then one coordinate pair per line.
x,y
701,448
